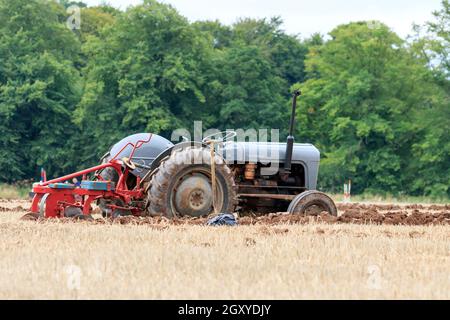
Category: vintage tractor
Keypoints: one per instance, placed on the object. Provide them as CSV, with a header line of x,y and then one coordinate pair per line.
x,y
146,174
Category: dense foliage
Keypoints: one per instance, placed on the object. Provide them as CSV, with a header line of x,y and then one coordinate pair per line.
x,y
376,105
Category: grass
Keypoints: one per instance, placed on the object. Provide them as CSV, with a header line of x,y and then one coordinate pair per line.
x,y
50,260
10,192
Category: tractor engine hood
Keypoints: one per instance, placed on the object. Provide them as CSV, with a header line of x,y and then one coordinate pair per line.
x,y
269,152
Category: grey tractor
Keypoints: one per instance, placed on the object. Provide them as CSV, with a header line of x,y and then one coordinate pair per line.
x,y
256,177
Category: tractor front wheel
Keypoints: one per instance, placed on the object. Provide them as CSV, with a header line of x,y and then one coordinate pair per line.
x,y
312,203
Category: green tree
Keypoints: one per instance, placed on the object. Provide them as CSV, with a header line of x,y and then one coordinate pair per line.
x,y
92,19
363,100
432,41
67,3
39,87
248,90
432,152
254,64
287,53
143,75
219,35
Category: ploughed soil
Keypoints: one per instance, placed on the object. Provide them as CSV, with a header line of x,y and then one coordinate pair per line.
x,y
355,213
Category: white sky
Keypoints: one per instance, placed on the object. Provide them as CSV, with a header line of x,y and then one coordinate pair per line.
x,y
304,17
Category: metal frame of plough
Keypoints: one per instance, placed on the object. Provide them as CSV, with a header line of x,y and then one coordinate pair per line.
x,y
57,200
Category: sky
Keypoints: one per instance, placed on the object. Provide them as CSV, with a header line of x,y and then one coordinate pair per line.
x,y
304,17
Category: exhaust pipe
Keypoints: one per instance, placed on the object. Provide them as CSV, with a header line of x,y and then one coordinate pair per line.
x,y
290,138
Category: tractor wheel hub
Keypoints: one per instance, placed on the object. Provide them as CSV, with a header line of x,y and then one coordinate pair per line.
x,y
194,196
197,198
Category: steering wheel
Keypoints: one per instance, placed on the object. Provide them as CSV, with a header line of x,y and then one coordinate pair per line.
x,y
225,135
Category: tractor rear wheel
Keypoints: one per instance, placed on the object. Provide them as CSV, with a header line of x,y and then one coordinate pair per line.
x,y
182,185
312,203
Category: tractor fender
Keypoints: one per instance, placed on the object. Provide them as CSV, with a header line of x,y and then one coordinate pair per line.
x,y
166,153
145,155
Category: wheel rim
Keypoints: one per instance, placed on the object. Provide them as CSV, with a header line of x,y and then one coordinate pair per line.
x,y
191,194
315,208
42,205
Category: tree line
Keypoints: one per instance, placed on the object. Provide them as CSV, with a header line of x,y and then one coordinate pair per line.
x,y
376,105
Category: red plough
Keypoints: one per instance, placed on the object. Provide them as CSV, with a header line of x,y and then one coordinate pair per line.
x,y
57,198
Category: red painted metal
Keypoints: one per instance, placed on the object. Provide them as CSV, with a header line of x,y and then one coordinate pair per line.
x,y
58,199
138,144
80,173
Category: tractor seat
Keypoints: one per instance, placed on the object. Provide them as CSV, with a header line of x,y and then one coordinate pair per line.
x,y
98,185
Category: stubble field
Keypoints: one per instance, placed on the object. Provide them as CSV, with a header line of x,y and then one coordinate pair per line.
x,y
370,251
